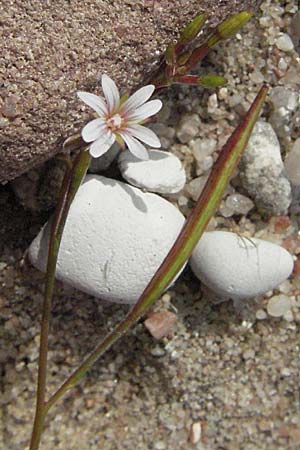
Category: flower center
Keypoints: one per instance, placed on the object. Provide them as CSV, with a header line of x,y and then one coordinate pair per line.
x,y
114,122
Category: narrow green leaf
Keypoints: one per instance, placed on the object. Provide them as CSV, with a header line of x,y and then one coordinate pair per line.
x,y
192,29
211,81
229,27
170,55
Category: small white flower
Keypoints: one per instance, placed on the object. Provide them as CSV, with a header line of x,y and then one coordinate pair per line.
x,y
120,120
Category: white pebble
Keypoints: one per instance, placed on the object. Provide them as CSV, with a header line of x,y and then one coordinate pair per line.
x,y
249,354
285,372
238,267
162,172
236,204
288,315
292,163
115,238
278,305
195,432
261,314
212,103
284,43
188,127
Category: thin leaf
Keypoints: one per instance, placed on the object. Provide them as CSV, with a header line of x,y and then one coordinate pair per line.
x,y
192,29
211,81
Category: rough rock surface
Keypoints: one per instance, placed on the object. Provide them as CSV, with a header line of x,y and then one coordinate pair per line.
x,y
262,171
51,49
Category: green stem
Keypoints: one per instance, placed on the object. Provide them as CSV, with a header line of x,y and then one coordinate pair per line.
x,y
71,183
185,243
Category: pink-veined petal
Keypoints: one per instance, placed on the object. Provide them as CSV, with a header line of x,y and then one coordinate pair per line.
x,y
93,130
135,147
101,145
144,134
138,98
93,101
142,112
111,93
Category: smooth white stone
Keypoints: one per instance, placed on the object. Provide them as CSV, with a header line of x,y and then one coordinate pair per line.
x,y
284,43
114,240
188,127
237,267
279,305
162,173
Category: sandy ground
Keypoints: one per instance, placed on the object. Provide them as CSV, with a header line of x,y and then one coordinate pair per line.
x,y
224,371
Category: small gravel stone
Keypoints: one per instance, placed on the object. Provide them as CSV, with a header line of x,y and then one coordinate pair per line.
x,y
158,351
236,204
160,324
261,314
292,167
195,432
278,305
160,445
202,148
188,128
194,188
292,164
162,172
284,43
249,354
262,171
212,104
281,96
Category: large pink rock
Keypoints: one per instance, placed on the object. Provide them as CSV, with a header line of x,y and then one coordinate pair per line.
x,y
49,50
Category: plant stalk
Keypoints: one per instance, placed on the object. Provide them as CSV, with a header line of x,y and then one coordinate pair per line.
x,y
71,183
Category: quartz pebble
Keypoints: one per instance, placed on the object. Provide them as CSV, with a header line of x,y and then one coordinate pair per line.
x,y
202,148
188,127
281,97
284,102
292,167
278,305
195,432
238,267
162,172
261,314
292,164
284,43
236,204
262,171
115,238
195,187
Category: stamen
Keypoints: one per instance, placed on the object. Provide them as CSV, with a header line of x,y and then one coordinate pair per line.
x,y
114,123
